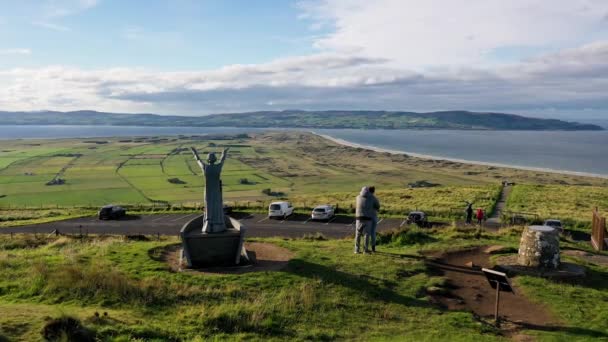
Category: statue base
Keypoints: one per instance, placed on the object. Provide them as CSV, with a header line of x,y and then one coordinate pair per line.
x,y
213,249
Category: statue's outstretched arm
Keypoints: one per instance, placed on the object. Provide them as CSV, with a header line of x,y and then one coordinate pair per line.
x,y
224,155
198,159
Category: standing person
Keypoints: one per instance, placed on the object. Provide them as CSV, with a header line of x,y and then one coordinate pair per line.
x,y
479,216
469,212
363,219
374,221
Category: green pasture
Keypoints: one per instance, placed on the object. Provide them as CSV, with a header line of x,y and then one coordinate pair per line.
x,y
114,172
566,202
300,167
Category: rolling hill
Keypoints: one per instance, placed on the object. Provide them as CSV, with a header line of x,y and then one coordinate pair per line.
x,y
302,119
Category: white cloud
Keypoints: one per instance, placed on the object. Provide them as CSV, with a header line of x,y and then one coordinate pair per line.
x,y
457,32
383,54
570,79
15,51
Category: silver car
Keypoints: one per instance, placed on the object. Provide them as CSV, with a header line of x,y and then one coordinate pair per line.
x,y
323,212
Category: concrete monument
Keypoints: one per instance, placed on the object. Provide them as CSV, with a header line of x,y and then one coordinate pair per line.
x,y
212,239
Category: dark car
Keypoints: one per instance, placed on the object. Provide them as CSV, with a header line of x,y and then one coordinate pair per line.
x,y
418,218
227,209
557,224
111,212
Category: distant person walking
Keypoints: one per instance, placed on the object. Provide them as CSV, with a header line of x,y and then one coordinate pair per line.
x,y
363,217
374,212
480,216
469,212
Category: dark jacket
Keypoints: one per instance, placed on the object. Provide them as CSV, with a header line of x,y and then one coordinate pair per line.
x,y
375,206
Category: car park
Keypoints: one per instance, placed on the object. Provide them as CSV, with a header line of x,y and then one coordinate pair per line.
x,y
557,224
323,212
280,209
111,212
418,218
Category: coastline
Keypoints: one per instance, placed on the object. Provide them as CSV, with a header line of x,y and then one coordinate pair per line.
x,y
456,160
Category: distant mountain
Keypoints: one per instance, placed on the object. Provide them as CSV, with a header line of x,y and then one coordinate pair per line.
x,y
599,122
302,119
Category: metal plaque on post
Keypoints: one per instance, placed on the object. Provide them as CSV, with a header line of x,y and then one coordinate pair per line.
x,y
500,282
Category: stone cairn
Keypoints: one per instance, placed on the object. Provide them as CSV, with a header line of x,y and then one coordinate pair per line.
x,y
539,247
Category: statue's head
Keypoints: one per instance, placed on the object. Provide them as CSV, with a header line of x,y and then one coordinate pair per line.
x,y
211,158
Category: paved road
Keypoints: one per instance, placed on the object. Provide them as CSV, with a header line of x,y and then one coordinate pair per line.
x,y
258,225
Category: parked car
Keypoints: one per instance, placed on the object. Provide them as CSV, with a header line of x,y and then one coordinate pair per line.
x,y
557,224
418,218
323,212
111,212
227,209
280,209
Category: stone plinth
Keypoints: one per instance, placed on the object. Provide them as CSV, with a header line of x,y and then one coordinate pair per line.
x,y
539,247
212,249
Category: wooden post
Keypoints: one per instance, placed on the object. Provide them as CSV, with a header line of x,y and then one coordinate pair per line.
x,y
598,230
496,318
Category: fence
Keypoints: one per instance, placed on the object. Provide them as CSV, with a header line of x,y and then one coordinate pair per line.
x,y
598,231
518,218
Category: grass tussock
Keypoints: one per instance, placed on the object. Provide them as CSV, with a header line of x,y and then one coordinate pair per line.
x,y
405,237
101,283
66,328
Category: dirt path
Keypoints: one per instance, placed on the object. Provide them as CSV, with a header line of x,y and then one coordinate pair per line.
x,y
469,290
500,206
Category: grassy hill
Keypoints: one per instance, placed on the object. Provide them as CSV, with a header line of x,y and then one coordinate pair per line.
x,y
122,290
302,119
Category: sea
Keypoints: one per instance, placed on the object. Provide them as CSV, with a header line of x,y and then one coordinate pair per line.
x,y
584,152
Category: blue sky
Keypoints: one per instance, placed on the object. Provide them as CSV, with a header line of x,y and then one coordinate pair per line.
x,y
163,35
532,57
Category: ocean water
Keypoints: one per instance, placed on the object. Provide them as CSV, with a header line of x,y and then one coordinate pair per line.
x,y
579,151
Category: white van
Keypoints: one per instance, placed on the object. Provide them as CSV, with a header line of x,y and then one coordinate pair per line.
x,y
280,209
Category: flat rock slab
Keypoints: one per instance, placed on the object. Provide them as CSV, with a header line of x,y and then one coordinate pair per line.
x,y
509,264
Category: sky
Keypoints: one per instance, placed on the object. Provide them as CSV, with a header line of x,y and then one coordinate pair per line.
x,y
546,58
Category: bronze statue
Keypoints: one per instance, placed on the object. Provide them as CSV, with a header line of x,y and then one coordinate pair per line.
x,y
214,204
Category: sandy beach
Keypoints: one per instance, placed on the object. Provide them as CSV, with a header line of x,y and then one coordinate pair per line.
x,y
475,162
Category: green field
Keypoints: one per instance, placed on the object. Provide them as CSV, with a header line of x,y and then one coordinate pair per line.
x,y
566,202
325,293
301,167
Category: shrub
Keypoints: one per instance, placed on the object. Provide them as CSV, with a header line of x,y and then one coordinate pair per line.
x,y
66,328
404,237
